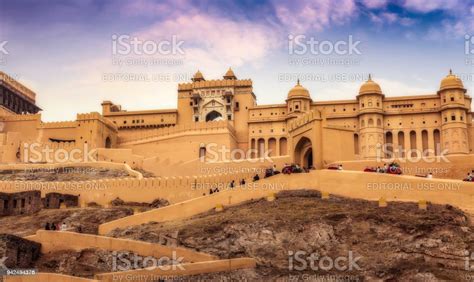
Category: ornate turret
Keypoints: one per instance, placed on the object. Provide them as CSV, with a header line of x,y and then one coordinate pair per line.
x,y
451,82
370,87
298,91
230,74
371,117
198,76
454,114
298,101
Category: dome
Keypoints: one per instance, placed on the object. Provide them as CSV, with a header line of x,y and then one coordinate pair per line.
x,y
230,74
451,81
370,87
198,76
298,91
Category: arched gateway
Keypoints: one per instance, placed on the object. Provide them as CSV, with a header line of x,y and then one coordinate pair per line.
x,y
303,155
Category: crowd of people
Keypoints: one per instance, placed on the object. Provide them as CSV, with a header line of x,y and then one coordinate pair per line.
x,y
391,168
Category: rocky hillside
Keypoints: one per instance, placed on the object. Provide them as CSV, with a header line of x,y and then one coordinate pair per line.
x,y
86,220
398,242
62,174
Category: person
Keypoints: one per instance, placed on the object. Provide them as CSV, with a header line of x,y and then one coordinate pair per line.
x,y
47,226
339,167
378,169
232,184
63,226
469,177
256,177
216,190
210,191
430,175
242,181
53,226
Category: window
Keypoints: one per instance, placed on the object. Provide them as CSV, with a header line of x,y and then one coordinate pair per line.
x,y
236,105
196,118
452,99
453,117
229,117
296,107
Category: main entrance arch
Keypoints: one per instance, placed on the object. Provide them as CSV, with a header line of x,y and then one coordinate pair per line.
x,y
214,116
303,154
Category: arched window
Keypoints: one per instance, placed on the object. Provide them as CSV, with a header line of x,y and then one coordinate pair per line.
x,y
413,143
272,147
437,141
371,122
424,142
283,146
356,143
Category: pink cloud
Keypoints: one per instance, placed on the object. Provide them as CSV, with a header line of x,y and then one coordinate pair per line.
x,y
375,4
300,16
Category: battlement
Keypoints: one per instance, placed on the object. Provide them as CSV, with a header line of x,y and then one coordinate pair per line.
x,y
215,83
58,124
159,132
97,117
22,117
18,87
304,119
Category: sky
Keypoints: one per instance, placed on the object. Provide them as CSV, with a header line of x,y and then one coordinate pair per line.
x,y
76,54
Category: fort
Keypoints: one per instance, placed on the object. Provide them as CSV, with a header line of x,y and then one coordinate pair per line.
x,y
224,113
218,135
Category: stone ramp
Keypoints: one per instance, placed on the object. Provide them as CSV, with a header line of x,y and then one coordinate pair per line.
x,y
352,184
62,240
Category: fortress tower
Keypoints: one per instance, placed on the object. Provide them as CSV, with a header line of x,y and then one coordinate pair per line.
x,y
226,99
298,101
370,101
454,113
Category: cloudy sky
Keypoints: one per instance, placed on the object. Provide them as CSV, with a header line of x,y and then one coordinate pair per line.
x,y
75,54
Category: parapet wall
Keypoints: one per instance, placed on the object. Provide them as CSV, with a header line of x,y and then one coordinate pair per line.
x,y
102,192
52,241
452,166
352,184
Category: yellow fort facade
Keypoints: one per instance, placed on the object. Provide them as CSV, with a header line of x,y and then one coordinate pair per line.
x,y
219,120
